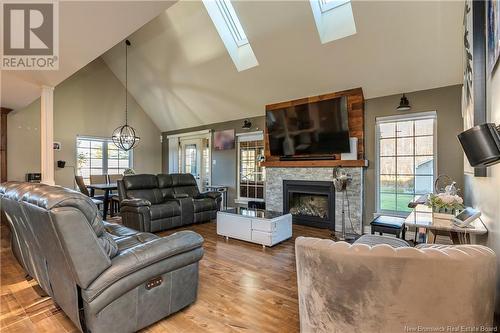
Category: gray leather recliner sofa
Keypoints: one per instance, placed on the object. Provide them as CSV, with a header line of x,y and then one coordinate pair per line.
x,y
155,203
105,277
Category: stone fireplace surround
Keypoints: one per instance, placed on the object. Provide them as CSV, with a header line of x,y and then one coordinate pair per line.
x,y
274,190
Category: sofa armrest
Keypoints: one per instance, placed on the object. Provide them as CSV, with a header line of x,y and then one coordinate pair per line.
x,y
137,261
135,202
136,214
212,194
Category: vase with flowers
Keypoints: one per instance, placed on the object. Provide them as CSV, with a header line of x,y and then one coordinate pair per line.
x,y
445,205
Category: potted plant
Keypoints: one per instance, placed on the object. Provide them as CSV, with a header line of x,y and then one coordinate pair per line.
x,y
445,204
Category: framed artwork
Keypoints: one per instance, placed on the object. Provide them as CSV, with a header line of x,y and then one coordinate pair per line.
x,y
493,26
224,140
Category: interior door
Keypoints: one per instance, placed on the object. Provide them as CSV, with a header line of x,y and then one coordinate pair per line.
x,y
191,159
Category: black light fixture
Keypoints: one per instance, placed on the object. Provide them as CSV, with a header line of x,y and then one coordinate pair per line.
x,y
404,104
124,137
247,124
481,145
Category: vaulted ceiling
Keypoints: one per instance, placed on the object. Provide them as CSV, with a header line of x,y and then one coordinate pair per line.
x,y
87,29
182,76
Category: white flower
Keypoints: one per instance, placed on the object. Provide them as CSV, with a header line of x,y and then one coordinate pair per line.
x,y
449,199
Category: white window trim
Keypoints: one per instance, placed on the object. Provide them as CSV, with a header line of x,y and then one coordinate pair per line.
x,y
232,22
389,119
189,134
329,5
334,20
242,137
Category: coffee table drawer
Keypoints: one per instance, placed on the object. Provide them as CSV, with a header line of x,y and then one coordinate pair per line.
x,y
234,226
261,225
262,237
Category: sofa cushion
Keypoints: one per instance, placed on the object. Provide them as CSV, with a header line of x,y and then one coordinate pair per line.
x,y
203,205
140,182
388,221
164,210
183,179
117,230
164,181
373,240
138,238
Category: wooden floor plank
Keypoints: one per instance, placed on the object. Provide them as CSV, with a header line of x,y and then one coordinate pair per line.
x,y
243,288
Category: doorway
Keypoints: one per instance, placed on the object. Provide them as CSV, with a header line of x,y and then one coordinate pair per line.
x,y
194,158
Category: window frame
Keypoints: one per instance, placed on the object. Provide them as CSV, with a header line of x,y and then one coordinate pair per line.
x,y
106,142
326,5
395,119
232,21
251,136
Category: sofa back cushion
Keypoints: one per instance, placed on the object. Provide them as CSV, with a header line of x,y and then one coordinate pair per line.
x,y
165,183
142,187
185,183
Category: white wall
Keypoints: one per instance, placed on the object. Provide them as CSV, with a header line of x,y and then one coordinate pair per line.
x,y
483,193
91,102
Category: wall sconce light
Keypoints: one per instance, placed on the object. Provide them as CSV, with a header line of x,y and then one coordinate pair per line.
x,y
404,104
247,124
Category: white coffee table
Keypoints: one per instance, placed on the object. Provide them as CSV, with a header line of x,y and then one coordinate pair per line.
x,y
254,225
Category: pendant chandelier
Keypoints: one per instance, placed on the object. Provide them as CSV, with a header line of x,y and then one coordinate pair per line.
x,y
124,137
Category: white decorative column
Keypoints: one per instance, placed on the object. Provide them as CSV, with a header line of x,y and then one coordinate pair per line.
x,y
47,134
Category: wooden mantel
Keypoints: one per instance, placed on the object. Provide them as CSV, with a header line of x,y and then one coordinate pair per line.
x,y
355,109
315,164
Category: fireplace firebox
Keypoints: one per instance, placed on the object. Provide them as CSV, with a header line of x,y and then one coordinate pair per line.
x,y
311,203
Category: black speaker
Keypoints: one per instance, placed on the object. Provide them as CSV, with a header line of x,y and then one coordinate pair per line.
x,y
481,145
61,164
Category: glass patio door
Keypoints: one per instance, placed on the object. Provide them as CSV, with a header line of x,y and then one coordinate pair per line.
x,y
195,158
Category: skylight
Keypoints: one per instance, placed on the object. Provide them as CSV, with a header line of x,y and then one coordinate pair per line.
x,y
231,32
334,19
327,5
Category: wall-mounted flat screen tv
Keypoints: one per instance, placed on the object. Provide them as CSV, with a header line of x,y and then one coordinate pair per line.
x,y
318,128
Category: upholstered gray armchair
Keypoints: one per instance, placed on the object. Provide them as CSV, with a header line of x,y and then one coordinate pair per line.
x,y
362,288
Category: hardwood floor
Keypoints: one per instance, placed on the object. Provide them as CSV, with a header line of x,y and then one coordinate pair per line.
x,y
243,288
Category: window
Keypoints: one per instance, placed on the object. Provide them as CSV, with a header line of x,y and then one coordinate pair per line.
x,y
327,5
232,22
231,32
99,156
406,160
334,19
251,175
191,159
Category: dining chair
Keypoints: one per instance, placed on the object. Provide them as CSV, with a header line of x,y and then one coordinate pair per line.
x,y
115,201
98,179
83,188
113,178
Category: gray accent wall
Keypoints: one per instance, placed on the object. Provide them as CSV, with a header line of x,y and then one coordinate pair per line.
x,y
224,172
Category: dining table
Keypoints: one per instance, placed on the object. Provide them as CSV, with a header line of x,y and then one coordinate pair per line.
x,y
106,188
423,217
